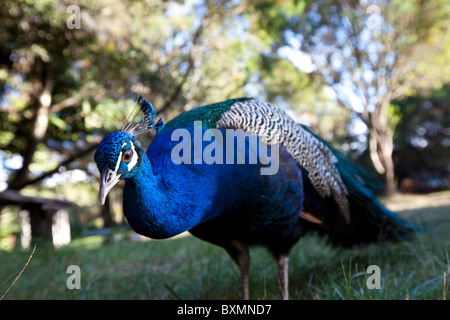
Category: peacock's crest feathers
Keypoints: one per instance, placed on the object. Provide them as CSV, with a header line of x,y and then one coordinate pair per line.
x,y
142,119
274,125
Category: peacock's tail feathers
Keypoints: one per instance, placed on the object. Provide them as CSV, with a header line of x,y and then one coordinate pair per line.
x,y
369,219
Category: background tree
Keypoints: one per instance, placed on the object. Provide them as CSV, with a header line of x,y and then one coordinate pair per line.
x,y
285,76
374,53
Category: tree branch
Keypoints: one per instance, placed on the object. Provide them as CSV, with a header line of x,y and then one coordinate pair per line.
x,y
175,94
206,20
66,162
38,128
75,99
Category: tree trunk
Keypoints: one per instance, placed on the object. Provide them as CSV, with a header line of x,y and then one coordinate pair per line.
x,y
38,130
381,146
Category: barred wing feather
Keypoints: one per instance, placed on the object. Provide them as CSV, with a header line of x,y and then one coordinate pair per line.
x,y
274,125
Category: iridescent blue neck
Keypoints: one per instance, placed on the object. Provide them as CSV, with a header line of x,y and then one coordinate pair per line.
x,y
155,207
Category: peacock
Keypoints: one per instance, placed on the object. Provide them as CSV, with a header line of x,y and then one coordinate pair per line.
x,y
240,173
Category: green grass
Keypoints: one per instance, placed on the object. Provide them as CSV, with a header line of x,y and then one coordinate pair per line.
x,y
187,268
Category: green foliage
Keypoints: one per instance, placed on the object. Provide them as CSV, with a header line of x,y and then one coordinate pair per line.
x,y
271,18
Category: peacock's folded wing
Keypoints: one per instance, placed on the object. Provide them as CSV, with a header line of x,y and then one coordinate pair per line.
x,y
274,125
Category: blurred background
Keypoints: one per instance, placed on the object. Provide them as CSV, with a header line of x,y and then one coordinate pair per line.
x,y
372,77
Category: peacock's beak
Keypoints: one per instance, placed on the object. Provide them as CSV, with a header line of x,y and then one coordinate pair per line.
x,y
108,180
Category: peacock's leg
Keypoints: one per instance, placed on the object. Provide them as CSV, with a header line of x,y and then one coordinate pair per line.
x,y
240,254
283,267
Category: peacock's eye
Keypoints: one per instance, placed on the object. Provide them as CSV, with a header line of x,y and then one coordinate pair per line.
x,y
127,155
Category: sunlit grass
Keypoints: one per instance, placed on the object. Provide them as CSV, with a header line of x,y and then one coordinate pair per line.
x,y
188,268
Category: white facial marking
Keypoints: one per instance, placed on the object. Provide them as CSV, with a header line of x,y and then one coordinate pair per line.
x,y
134,158
119,160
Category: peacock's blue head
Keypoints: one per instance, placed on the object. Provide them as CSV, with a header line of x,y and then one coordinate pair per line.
x,y
118,156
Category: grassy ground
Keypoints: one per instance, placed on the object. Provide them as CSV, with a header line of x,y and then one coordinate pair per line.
x,y
187,268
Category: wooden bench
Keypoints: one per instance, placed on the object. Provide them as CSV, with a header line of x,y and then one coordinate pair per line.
x,y
45,218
